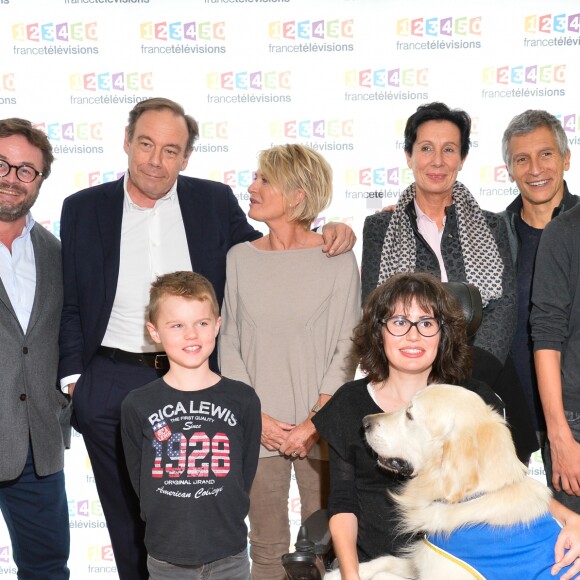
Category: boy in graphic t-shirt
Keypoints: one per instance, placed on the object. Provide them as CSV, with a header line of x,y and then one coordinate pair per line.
x,y
191,442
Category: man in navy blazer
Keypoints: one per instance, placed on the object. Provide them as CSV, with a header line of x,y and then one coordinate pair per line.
x,y
32,490
116,238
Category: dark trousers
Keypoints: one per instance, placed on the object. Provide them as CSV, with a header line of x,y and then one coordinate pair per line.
x,y
97,411
35,510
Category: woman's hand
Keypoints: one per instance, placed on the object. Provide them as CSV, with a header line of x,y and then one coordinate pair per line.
x,y
274,432
300,440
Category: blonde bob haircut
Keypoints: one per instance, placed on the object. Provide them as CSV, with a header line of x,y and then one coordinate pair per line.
x,y
294,167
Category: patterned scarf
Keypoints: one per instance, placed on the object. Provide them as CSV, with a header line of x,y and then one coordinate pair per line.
x,y
483,264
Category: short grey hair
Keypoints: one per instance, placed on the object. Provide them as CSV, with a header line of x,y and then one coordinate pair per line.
x,y
529,121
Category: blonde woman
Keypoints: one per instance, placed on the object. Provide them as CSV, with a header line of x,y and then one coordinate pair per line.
x,y
287,320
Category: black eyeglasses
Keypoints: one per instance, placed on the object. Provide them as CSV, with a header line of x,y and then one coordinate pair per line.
x,y
399,326
25,173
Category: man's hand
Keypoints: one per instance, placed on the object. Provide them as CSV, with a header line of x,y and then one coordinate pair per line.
x,y
300,440
338,239
274,433
71,388
565,453
567,549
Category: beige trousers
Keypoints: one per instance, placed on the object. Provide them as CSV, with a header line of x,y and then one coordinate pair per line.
x,y
269,525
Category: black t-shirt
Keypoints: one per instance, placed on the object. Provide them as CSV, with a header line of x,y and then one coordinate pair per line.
x,y
192,457
522,348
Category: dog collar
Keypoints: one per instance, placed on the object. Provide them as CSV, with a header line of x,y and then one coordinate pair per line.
x,y
465,499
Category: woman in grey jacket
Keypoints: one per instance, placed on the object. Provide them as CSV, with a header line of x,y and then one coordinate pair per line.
x,y
437,227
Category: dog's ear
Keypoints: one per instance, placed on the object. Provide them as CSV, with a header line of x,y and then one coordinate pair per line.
x,y
498,463
459,466
479,460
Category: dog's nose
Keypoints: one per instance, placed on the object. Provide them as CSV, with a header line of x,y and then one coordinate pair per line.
x,y
367,423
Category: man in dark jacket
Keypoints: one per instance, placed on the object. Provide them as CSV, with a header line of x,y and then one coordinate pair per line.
x,y
535,150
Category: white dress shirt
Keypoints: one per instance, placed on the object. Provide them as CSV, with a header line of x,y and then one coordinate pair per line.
x,y
18,273
433,235
153,242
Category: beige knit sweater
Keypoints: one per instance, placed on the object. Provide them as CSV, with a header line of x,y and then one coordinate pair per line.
x,y
287,322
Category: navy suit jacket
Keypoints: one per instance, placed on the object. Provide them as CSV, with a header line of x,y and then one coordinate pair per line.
x,y
91,241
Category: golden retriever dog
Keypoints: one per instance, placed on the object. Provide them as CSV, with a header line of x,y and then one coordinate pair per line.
x,y
467,492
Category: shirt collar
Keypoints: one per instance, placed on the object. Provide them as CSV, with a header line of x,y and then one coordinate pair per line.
x,y
129,204
421,215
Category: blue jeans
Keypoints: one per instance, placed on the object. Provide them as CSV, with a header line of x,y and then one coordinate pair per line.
x,y
35,510
231,568
570,501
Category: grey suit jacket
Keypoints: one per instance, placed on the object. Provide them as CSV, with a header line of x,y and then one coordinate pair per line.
x,y
30,404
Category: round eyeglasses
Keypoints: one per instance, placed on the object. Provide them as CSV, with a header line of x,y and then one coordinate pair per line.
x,y
25,173
399,326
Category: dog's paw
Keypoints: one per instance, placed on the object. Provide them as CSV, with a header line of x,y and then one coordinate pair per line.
x,y
334,575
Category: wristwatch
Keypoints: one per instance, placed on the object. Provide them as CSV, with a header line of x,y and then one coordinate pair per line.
x,y
316,408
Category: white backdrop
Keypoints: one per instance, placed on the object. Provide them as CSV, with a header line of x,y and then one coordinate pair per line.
x,y
339,75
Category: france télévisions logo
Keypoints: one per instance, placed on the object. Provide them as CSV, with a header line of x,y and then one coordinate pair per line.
x,y
178,31
254,86
386,84
74,138
109,88
446,33
235,178
311,36
72,131
191,37
55,38
571,124
214,130
50,32
311,29
552,23
312,129
249,81
569,121
552,30
378,176
494,174
107,81
434,27
84,508
7,88
320,134
213,137
384,78
524,74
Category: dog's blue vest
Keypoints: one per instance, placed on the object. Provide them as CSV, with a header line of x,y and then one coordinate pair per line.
x,y
502,552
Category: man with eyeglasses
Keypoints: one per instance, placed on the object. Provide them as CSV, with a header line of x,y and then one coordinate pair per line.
x,y
32,491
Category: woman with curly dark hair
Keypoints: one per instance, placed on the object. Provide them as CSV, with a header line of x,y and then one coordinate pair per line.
x,y
412,334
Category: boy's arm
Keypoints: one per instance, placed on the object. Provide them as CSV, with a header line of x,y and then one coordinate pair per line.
x,y
252,434
132,435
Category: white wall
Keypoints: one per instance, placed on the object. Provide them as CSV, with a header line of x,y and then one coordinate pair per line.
x,y
340,75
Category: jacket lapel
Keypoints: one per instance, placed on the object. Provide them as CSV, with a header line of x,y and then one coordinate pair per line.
x,y
191,212
110,219
43,263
